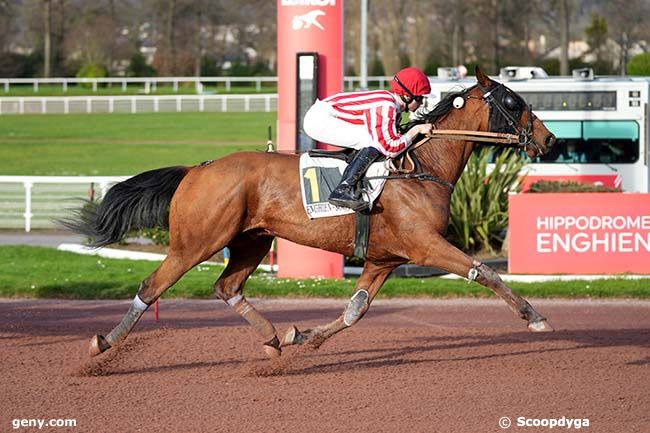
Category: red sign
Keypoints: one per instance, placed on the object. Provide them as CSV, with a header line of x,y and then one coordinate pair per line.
x,y
607,180
307,26
588,233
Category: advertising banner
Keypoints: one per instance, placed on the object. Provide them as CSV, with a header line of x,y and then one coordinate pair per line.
x,y
588,233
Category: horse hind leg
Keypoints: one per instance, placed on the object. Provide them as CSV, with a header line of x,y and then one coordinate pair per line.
x,y
165,276
246,253
193,239
188,248
367,287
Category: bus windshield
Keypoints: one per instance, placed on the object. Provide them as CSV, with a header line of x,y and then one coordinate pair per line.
x,y
593,142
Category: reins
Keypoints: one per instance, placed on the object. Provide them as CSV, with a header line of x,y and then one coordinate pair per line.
x,y
453,134
439,134
523,137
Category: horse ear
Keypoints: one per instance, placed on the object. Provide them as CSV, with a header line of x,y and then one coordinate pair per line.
x,y
483,79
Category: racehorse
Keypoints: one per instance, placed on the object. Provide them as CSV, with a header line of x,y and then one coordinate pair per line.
x,y
244,200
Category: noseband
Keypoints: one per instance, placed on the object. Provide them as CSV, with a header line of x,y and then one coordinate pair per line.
x,y
525,134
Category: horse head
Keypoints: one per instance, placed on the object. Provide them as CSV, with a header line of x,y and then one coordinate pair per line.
x,y
507,112
489,106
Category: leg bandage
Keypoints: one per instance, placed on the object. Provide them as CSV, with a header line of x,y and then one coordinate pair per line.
x,y
137,308
356,307
252,316
472,275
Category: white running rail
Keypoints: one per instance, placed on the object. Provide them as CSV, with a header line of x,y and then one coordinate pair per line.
x,y
150,83
34,201
138,104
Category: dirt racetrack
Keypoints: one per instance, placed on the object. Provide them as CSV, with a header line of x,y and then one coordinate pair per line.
x,y
409,366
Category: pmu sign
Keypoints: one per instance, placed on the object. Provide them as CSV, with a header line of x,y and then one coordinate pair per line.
x,y
589,233
316,27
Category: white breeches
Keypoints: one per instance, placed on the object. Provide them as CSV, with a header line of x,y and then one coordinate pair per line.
x,y
322,125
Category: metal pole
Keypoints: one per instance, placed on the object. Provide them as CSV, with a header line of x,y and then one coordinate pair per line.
x,y
364,45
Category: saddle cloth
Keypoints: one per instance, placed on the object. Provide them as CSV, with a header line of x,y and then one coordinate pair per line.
x,y
320,175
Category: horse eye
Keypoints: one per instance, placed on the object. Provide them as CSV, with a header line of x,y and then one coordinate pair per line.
x,y
509,102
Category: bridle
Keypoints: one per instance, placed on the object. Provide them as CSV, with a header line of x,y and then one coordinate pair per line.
x,y
525,134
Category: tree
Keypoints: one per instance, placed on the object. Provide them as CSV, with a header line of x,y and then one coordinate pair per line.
x,y
352,39
138,67
496,60
639,65
47,41
168,39
597,35
6,18
564,14
628,24
389,18
458,33
86,42
419,31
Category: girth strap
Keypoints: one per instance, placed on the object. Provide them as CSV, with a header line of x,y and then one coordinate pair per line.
x,y
417,176
361,234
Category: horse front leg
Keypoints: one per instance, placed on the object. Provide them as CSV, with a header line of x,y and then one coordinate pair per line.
x,y
367,287
442,255
246,253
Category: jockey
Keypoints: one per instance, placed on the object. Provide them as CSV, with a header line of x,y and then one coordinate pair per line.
x,y
368,122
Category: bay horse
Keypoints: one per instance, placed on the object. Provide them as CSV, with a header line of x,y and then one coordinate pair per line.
x,y
244,200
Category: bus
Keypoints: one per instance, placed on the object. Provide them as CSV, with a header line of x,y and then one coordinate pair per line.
x,y
601,125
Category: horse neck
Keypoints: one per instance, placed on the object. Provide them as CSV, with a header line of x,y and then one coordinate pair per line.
x,y
446,159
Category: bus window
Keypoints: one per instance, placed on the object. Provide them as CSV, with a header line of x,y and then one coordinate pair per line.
x,y
593,142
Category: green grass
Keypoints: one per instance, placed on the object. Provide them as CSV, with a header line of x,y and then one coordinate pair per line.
x,y
124,144
37,272
134,89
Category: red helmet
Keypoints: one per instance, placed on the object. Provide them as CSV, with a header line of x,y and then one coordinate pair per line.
x,y
410,82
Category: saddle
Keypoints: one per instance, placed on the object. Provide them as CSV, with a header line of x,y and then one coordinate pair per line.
x,y
343,154
321,172
404,163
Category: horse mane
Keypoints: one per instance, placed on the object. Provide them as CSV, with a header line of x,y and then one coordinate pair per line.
x,y
441,109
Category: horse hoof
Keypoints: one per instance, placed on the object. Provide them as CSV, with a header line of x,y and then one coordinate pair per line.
x,y
272,352
98,344
540,326
293,336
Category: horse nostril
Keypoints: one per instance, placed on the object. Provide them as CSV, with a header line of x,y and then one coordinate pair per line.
x,y
550,141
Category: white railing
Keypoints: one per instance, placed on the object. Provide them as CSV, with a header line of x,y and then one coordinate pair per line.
x,y
150,83
34,201
138,104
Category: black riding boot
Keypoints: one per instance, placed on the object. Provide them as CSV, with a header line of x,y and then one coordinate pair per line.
x,y
345,194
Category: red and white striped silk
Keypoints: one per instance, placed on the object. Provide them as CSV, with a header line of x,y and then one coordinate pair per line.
x,y
378,111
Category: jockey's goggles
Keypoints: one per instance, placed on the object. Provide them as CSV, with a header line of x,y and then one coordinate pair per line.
x,y
411,97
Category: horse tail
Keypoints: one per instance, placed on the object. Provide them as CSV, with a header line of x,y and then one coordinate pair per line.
x,y
136,203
